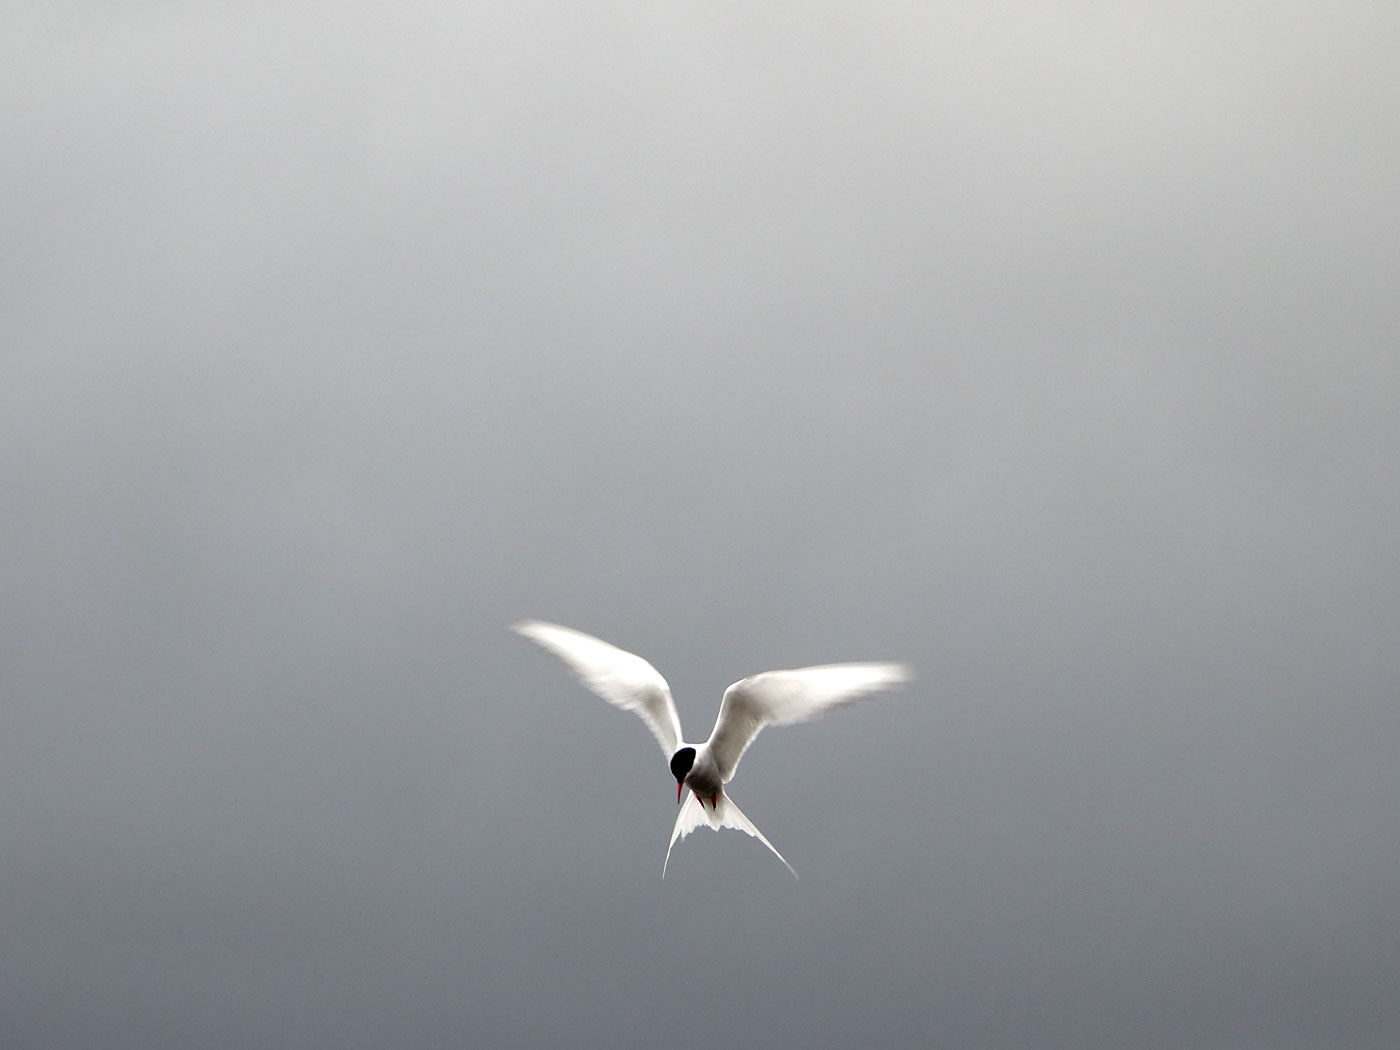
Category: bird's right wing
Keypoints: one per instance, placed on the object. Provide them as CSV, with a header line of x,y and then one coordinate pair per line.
x,y
783,697
619,677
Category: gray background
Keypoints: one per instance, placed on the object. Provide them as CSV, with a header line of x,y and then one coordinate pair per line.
x,y
1050,347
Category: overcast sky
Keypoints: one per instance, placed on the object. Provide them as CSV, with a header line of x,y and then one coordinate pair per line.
x,y
1051,348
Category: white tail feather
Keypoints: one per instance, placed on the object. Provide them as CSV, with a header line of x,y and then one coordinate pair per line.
x,y
725,815
691,816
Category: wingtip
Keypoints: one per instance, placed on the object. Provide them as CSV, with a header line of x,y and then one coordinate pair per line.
x,y
894,673
530,628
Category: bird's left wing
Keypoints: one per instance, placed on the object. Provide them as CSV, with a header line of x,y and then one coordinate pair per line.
x,y
619,677
784,697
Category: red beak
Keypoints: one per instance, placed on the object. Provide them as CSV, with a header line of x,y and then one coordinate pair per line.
x,y
679,784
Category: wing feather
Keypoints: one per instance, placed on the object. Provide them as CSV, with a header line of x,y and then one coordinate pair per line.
x,y
785,697
619,677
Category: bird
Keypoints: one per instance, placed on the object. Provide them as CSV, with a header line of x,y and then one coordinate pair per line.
x,y
770,698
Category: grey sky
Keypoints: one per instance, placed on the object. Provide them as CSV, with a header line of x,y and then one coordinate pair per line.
x,y
1050,348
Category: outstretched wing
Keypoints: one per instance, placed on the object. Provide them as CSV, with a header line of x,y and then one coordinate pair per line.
x,y
783,697
619,677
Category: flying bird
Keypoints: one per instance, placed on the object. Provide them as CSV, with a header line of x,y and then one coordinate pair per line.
x,y
771,698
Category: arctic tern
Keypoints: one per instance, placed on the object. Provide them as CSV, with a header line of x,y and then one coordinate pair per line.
x,y
771,698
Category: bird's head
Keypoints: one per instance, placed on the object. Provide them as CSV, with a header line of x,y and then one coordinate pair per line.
x,y
681,762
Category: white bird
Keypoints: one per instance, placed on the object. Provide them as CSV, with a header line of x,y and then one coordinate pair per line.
x,y
770,698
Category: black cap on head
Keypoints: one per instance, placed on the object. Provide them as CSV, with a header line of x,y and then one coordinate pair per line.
x,y
681,762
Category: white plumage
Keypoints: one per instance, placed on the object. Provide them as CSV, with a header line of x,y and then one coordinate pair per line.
x,y
770,698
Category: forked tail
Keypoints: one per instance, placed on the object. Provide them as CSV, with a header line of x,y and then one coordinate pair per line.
x,y
724,815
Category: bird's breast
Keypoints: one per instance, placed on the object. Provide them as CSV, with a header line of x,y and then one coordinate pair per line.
x,y
704,778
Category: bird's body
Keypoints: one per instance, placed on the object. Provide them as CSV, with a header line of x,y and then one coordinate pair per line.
x,y
771,698
704,779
